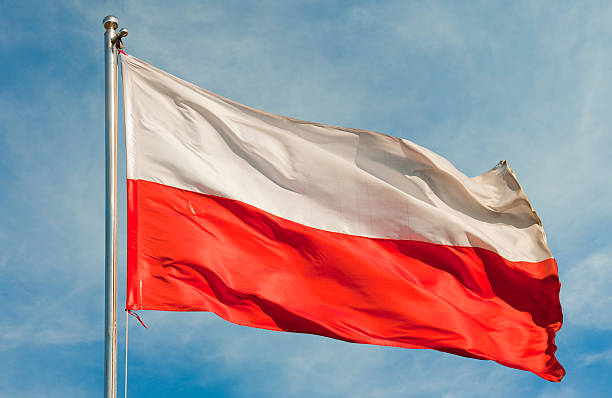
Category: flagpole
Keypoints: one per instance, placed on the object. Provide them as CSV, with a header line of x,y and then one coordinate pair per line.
x,y
110,269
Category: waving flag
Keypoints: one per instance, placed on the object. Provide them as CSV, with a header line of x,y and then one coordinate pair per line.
x,y
282,224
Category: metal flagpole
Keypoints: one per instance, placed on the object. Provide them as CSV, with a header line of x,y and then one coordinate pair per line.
x,y
111,38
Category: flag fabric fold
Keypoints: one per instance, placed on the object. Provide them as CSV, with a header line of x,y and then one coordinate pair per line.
x,y
288,225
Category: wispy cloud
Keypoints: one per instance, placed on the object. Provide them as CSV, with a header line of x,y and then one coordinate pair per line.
x,y
598,357
586,297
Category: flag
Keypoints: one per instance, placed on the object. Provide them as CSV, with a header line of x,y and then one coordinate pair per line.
x,y
282,224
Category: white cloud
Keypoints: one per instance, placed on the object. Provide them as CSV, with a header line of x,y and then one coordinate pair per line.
x,y
586,296
598,357
562,392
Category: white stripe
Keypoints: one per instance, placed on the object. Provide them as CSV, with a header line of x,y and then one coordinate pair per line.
x,y
337,179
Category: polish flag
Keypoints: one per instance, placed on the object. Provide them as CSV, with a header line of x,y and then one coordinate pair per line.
x,y
288,225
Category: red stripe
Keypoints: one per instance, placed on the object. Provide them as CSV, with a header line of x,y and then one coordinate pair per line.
x,y
193,252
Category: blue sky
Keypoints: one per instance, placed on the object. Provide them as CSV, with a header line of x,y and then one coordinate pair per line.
x,y
525,81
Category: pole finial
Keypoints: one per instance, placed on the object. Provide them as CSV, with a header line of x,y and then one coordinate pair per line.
x,y
110,22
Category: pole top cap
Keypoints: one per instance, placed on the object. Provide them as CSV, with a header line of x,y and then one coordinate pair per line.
x,y
110,22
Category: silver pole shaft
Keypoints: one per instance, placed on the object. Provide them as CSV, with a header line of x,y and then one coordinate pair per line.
x,y
110,270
